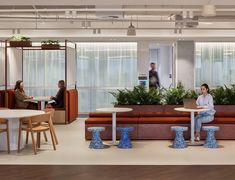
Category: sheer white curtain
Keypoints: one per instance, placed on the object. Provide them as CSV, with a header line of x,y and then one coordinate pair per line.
x,y
102,68
42,70
215,63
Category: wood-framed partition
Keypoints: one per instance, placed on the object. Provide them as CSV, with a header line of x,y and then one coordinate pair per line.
x,y
62,48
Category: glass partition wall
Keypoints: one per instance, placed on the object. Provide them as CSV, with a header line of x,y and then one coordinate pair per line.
x,y
214,63
103,68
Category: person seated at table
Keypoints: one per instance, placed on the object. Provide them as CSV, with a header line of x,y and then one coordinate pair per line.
x,y
59,98
205,100
20,97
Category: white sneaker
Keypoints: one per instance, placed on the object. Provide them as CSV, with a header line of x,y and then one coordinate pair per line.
x,y
197,139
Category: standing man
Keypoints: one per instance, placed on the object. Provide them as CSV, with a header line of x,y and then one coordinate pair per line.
x,y
153,77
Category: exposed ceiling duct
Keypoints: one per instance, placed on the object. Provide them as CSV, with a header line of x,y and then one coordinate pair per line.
x,y
188,22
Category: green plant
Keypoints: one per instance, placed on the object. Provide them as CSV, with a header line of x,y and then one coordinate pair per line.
x,y
139,95
18,38
175,95
224,95
50,42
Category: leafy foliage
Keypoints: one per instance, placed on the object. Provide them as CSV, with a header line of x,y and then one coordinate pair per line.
x,y
139,95
18,38
175,95
224,95
50,42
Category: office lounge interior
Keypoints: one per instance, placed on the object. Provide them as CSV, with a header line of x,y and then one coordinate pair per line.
x,y
117,90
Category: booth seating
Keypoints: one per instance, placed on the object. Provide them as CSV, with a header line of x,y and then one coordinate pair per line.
x,y
2,98
62,115
157,125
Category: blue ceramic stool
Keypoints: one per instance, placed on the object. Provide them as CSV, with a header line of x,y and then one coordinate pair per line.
x,y
179,141
125,141
210,141
96,142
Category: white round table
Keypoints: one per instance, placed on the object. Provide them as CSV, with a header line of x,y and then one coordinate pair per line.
x,y
192,112
40,99
114,117
13,116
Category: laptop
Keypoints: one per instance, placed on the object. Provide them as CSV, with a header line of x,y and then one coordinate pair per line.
x,y
190,104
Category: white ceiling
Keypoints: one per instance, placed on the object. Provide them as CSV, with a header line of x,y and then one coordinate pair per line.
x,y
118,2
152,18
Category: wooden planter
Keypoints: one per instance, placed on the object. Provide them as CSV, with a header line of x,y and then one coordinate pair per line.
x,y
50,46
20,43
144,108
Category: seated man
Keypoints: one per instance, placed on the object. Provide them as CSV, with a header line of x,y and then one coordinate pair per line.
x,y
59,98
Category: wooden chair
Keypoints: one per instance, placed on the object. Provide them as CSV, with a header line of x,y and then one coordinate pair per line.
x,y
35,126
6,130
51,111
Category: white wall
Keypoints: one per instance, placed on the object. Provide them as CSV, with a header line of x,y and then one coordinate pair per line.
x,y
165,65
185,63
143,57
14,66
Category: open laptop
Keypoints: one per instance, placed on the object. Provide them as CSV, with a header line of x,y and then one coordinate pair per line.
x,y
190,104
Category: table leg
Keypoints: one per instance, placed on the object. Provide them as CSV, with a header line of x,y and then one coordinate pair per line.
x,y
114,127
192,128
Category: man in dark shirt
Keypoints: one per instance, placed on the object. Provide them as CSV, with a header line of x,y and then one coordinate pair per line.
x,y
59,98
153,77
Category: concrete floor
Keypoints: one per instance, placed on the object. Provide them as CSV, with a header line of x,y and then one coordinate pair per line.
x,y
73,150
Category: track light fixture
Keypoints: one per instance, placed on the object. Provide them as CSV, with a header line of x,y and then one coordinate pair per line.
x,y
131,31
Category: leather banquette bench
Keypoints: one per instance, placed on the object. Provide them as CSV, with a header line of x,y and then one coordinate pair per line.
x,y
155,125
62,115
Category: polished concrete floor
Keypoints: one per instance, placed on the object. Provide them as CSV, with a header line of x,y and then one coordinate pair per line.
x,y
73,150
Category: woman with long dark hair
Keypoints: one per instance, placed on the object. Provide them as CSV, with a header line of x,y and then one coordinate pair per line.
x,y
20,97
205,100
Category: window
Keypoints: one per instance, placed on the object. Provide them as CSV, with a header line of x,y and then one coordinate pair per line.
x,y
42,70
214,63
102,68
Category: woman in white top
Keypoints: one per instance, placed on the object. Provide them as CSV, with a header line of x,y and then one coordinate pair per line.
x,y
205,100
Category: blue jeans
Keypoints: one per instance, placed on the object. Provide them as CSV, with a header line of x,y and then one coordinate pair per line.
x,y
202,118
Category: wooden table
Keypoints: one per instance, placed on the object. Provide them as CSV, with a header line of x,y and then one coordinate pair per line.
x,y
13,116
114,117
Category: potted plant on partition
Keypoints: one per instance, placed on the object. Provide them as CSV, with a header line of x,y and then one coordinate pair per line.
x,y
50,44
20,41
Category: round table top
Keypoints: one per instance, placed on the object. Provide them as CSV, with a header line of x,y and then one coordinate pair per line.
x,y
18,113
191,110
114,109
39,98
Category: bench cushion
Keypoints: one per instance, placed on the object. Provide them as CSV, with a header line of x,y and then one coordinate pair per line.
x,y
164,120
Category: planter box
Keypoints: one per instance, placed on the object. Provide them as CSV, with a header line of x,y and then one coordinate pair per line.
x,y
144,108
20,43
50,46
225,108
